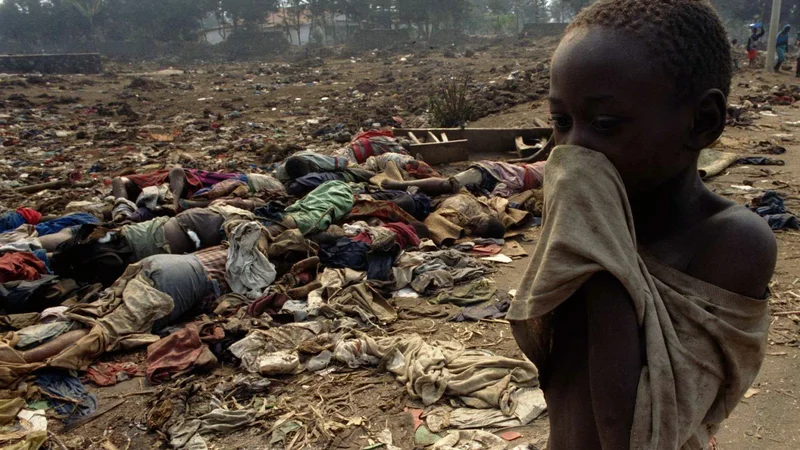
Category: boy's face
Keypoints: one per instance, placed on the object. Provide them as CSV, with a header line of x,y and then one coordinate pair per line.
x,y
609,95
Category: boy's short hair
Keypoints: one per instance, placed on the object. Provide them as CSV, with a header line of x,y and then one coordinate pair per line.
x,y
297,167
490,227
686,35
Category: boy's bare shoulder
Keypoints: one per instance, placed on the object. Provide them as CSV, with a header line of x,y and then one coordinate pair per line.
x,y
737,252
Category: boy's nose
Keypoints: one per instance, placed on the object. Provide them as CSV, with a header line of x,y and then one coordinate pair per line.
x,y
576,137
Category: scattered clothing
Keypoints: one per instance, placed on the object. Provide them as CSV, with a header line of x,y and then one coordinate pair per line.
x,y
430,372
772,207
761,161
269,304
373,143
146,238
67,394
11,220
176,354
109,374
345,253
70,220
248,270
316,161
16,266
324,205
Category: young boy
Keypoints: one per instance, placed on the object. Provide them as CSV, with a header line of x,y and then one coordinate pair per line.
x,y
644,307
756,32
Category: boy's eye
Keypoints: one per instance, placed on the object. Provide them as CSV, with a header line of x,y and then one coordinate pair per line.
x,y
605,123
560,123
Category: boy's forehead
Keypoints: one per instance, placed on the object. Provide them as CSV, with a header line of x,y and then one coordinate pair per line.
x,y
605,60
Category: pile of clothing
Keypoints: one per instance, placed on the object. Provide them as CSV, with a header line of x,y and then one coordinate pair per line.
x,y
316,249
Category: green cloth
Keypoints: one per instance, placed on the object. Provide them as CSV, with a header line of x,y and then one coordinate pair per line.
x,y
478,291
9,408
147,238
324,205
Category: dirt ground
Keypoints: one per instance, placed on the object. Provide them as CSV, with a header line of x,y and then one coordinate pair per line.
x,y
245,115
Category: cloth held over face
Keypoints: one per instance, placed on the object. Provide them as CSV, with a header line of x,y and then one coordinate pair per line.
x,y
704,345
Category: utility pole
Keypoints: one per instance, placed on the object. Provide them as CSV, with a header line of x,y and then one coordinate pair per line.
x,y
774,25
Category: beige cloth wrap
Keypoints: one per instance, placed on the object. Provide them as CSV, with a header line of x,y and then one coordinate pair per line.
x,y
704,345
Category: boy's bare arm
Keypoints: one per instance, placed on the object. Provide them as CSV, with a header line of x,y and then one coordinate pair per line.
x,y
615,358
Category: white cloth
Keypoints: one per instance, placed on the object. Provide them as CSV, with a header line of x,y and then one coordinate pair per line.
x,y
248,270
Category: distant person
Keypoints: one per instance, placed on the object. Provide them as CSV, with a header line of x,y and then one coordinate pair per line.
x,y
734,43
756,32
782,46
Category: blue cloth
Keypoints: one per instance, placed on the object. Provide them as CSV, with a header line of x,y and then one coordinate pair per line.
x,y
17,297
421,203
62,384
781,51
70,220
782,221
772,208
42,255
11,220
307,183
271,213
344,253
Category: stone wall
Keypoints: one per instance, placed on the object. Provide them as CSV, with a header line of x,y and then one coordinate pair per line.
x,y
65,63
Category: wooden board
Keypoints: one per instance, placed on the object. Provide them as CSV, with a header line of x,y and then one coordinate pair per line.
x,y
483,140
435,153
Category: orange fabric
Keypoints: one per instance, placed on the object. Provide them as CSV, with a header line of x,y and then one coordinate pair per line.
x,y
21,266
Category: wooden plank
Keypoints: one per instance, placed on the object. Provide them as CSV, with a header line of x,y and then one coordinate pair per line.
x,y
444,138
435,153
483,140
413,138
433,137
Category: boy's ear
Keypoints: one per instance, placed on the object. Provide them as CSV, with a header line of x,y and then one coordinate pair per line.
x,y
709,119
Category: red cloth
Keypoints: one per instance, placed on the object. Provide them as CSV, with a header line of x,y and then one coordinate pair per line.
x,y
21,266
751,54
406,234
534,175
374,143
31,216
420,170
175,354
363,237
144,180
109,374
269,304
195,179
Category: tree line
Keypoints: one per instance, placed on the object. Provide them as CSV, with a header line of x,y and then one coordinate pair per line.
x,y
50,23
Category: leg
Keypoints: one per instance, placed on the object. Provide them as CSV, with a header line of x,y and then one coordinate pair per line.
x,y
52,241
430,186
189,204
121,188
54,347
177,184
